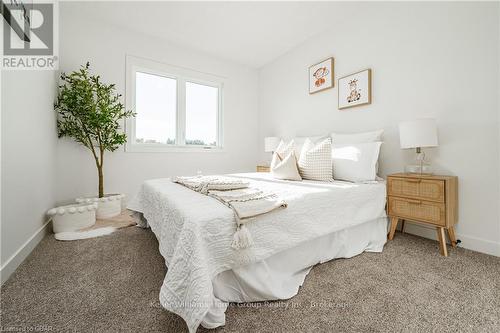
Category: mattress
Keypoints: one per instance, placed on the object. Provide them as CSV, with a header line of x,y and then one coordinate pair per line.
x,y
195,231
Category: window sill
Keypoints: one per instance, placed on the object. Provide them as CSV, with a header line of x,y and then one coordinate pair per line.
x,y
135,148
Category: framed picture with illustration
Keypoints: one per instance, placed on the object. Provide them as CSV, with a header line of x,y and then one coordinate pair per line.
x,y
355,89
321,76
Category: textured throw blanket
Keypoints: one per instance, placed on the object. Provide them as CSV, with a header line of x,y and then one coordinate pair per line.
x,y
245,202
203,184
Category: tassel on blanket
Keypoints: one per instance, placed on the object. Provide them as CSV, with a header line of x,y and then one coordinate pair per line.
x,y
241,238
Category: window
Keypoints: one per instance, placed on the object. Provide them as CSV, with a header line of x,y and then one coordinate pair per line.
x,y
176,109
202,103
156,107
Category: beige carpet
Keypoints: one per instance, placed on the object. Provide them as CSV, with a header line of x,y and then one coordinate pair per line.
x,y
111,284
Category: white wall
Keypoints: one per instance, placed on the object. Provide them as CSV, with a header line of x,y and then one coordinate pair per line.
x,y
28,162
436,60
498,102
106,47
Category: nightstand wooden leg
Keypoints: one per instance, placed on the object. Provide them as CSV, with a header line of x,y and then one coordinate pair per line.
x,y
403,226
394,224
453,237
442,241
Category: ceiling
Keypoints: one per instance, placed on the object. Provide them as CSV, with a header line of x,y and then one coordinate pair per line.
x,y
248,33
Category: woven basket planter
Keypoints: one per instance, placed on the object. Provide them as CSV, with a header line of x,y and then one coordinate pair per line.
x,y
108,206
73,217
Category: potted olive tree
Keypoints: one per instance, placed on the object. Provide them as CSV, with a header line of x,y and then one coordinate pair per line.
x,y
90,112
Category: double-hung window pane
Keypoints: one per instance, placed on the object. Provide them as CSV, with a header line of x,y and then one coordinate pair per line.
x,y
202,106
156,107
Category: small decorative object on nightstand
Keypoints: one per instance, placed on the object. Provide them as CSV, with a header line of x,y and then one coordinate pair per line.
x,y
263,168
428,199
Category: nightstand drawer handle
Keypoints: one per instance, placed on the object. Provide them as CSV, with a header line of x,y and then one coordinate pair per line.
x,y
415,202
413,180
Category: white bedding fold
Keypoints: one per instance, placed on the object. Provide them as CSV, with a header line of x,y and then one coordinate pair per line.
x,y
246,202
195,241
250,202
204,184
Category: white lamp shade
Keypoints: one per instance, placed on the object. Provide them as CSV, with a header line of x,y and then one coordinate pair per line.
x,y
418,133
271,143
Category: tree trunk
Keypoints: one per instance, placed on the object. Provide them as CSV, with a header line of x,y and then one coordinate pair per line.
x,y
101,181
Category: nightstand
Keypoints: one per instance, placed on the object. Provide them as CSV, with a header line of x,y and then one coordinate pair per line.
x,y
427,199
263,168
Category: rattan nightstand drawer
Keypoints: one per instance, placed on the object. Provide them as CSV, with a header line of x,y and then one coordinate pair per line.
x,y
263,168
416,188
418,210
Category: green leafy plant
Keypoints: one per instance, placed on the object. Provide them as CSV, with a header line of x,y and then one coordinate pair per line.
x,y
89,111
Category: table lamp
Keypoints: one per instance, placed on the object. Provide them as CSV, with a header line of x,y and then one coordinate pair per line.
x,y
271,143
418,134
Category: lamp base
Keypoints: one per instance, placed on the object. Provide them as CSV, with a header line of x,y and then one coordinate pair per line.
x,y
420,169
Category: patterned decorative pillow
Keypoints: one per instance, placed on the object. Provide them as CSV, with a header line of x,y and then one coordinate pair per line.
x,y
285,168
300,140
315,162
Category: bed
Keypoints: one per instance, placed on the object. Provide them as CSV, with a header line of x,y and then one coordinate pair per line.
x,y
323,221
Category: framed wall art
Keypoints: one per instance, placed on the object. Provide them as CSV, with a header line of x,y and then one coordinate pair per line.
x,y
355,89
321,76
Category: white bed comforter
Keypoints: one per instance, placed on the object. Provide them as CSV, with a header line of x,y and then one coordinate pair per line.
x,y
195,231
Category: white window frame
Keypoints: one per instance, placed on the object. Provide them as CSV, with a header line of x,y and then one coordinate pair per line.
x,y
181,75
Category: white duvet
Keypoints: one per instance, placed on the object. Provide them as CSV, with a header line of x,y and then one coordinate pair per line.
x,y
195,231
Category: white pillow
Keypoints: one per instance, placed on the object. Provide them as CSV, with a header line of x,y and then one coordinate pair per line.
x,y
285,168
373,136
315,162
284,149
355,162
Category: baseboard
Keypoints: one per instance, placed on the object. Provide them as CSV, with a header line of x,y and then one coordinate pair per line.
x,y
468,242
18,257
